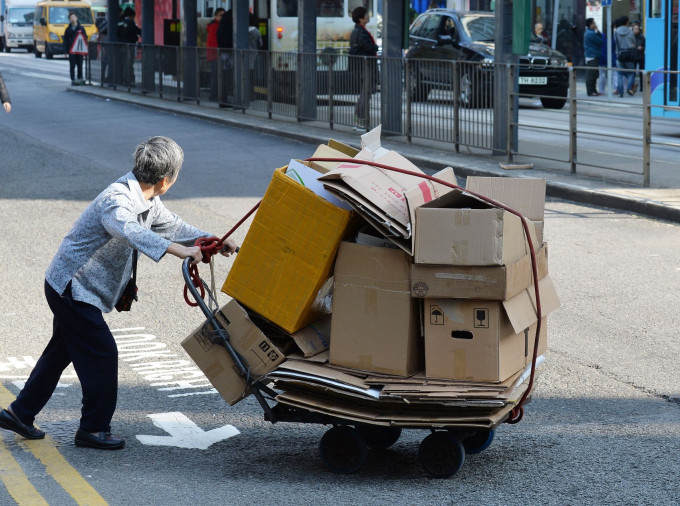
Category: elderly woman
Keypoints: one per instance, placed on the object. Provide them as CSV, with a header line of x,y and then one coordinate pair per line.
x,y
86,278
4,96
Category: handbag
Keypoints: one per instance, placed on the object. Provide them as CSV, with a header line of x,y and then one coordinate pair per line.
x,y
626,55
129,294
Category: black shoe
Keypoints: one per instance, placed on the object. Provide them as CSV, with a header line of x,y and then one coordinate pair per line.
x,y
101,441
10,422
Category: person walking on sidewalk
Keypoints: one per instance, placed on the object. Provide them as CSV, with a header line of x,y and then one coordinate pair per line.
x,y
639,52
88,274
625,56
4,96
74,60
592,44
361,43
211,52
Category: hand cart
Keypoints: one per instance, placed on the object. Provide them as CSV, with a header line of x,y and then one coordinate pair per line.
x,y
344,446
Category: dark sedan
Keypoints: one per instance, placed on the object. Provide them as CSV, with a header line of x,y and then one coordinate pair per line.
x,y
441,35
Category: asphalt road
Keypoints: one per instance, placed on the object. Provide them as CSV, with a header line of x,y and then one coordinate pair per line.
x,y
603,427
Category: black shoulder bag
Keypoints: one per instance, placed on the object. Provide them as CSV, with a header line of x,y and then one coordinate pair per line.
x,y
129,295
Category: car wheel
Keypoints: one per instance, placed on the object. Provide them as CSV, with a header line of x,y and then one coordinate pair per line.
x,y
8,49
553,103
48,53
418,91
37,53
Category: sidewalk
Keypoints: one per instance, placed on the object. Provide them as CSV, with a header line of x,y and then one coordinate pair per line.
x,y
663,203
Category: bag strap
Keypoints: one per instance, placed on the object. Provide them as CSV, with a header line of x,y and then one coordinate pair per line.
x,y
134,266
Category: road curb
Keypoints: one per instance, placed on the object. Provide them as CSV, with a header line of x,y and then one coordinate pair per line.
x,y
566,191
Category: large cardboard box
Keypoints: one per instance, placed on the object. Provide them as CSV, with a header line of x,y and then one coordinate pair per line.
x,y
484,340
494,282
374,326
460,229
258,352
287,254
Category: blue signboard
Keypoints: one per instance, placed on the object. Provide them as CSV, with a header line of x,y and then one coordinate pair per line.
x,y
606,3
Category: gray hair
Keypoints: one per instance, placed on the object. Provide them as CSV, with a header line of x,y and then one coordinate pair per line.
x,y
157,158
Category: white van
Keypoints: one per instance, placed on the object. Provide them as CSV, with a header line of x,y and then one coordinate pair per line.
x,y
16,29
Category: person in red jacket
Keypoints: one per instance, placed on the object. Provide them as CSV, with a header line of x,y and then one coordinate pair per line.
x,y
211,54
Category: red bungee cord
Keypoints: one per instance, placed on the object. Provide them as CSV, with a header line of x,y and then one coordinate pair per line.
x,y
210,246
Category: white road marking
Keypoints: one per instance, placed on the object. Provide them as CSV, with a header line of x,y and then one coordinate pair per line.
x,y
184,433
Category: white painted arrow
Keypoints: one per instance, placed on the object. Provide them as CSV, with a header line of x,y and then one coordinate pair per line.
x,y
184,433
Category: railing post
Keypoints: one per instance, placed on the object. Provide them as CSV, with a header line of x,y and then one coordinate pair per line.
x,y
198,76
572,121
407,85
511,116
270,84
366,86
456,106
646,128
332,59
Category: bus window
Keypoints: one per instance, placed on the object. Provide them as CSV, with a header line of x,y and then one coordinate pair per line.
x,y
655,9
324,8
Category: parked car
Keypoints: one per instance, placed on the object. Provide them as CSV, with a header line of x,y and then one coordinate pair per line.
x,y
441,35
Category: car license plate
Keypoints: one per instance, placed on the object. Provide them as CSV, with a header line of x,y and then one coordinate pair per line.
x,y
533,80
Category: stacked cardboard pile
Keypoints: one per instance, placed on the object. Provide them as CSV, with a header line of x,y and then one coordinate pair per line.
x,y
382,297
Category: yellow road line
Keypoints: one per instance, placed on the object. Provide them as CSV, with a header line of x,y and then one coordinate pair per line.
x,y
56,466
15,480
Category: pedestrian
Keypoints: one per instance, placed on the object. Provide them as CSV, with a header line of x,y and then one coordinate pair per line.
x,y
592,47
639,53
86,278
128,33
225,41
625,56
211,52
254,44
4,96
74,60
103,29
540,34
361,43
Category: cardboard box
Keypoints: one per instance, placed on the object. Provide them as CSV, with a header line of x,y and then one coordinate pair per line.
x,y
484,340
258,352
460,229
314,338
525,195
375,321
287,254
495,282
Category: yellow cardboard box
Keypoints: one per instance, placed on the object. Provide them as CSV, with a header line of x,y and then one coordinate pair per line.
x,y
287,254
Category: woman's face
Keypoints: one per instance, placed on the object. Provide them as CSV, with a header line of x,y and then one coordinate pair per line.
x,y
365,19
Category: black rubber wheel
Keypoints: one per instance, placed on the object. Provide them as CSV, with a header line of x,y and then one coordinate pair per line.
x,y
441,454
37,53
8,49
379,437
48,53
343,449
553,103
478,441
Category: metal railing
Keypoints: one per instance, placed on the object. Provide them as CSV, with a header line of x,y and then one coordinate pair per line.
x,y
448,102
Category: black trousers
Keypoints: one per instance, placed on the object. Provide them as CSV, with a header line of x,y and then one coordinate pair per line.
x,y
592,74
80,335
73,61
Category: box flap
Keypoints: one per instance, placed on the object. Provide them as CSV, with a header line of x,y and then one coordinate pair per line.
x,y
308,177
521,309
371,141
525,195
324,151
343,148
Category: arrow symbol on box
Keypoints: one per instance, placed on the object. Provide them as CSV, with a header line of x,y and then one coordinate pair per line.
x,y
184,433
